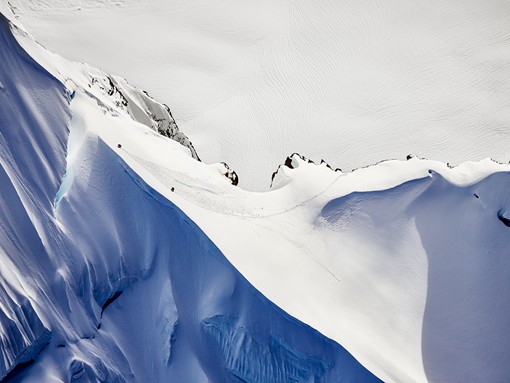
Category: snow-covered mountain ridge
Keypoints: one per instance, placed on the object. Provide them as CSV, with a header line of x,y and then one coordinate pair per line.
x,y
123,98
352,82
139,263
102,278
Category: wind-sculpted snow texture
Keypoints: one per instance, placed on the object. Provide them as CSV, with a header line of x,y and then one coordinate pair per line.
x,y
104,279
353,82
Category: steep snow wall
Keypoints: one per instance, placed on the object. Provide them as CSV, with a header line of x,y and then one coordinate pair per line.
x,y
33,133
104,279
344,253
402,263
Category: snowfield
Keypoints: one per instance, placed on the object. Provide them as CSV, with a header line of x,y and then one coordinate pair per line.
x,y
350,82
123,258
104,279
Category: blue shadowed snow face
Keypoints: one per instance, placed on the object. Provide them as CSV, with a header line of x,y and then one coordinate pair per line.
x,y
218,327
127,288
33,132
34,118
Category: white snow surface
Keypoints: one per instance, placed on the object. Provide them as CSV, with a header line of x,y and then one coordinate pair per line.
x,y
350,82
362,279
362,270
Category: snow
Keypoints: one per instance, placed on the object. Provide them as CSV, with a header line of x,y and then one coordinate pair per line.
x,y
403,263
110,281
374,295
31,162
352,82
285,240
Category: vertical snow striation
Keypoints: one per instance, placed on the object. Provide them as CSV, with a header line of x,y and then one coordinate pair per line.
x,y
22,335
114,283
33,132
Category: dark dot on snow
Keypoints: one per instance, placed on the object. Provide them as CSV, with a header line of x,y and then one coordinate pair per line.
x,y
503,219
172,189
61,345
119,146
476,195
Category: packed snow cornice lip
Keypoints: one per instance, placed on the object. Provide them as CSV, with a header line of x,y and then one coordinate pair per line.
x,y
126,258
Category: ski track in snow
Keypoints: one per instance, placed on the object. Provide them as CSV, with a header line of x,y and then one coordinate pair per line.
x,y
352,82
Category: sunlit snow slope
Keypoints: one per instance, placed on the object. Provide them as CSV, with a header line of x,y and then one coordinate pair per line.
x,y
104,279
140,263
352,82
